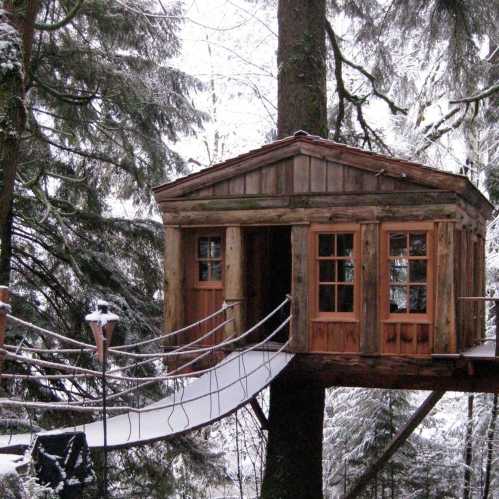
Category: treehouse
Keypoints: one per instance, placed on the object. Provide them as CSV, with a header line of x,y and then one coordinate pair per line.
x,y
378,255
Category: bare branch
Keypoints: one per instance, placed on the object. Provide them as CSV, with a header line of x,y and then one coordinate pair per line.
x,y
477,97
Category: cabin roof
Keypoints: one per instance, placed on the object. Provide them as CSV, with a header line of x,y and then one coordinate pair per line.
x,y
302,143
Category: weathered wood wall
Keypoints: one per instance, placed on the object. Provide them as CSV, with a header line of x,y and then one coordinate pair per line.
x,y
305,174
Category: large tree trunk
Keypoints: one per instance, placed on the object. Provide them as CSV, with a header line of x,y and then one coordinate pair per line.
x,y
468,452
301,61
490,448
294,451
14,60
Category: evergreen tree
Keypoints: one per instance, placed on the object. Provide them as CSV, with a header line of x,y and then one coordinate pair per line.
x,y
101,107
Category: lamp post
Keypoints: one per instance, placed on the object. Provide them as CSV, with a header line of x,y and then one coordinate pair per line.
x,y
102,324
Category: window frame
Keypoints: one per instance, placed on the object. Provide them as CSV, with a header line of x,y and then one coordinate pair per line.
x,y
315,231
407,227
211,284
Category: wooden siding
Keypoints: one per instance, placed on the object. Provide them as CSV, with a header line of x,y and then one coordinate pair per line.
x,y
334,337
305,174
469,265
407,338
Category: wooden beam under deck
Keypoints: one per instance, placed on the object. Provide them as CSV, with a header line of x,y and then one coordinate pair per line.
x,y
397,372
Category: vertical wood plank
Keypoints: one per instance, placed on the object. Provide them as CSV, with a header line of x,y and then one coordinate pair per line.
x,y
352,179
269,179
481,286
236,185
299,288
445,313
458,290
234,279
334,173
369,335
301,174
221,188
318,175
369,182
174,293
283,173
253,182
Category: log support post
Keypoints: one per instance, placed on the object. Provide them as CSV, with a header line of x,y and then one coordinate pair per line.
x,y
174,278
369,339
234,280
299,288
395,444
445,311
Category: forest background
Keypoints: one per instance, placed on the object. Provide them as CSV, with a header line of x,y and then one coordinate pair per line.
x,y
101,100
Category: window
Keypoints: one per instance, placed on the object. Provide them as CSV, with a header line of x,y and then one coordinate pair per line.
x,y
209,259
407,263
336,272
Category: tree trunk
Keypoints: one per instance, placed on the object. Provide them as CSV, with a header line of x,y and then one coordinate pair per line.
x,y
294,450
490,448
14,60
468,453
301,62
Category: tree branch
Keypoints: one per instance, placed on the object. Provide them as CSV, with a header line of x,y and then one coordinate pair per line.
x,y
69,17
477,97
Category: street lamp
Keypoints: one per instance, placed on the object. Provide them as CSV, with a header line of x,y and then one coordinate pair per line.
x,y
102,323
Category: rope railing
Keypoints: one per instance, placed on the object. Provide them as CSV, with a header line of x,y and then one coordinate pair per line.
x,y
88,346
79,372
121,409
224,308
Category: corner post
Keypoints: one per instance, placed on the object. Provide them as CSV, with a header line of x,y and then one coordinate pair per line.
x,y
299,288
174,277
369,339
445,310
234,279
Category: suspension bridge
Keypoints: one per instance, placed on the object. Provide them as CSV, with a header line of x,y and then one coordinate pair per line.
x,y
197,397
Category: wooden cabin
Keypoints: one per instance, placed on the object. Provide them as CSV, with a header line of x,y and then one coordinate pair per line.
x,y
376,252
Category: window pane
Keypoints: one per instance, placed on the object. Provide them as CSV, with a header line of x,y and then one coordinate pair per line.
x,y
326,271
398,299
326,244
203,244
215,247
345,271
417,244
418,271
344,244
216,271
326,299
204,274
417,299
398,270
345,298
398,244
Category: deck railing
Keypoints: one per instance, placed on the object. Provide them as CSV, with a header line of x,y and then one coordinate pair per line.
x,y
496,303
